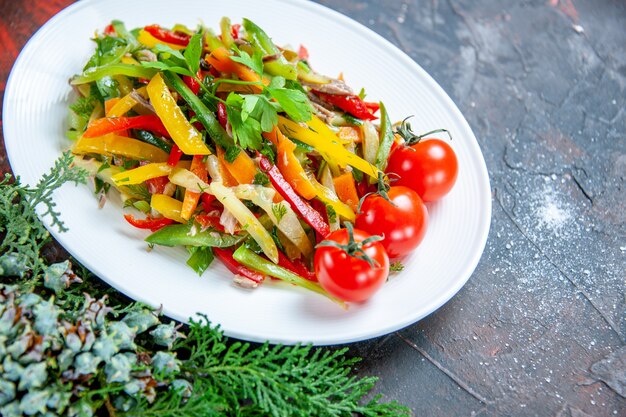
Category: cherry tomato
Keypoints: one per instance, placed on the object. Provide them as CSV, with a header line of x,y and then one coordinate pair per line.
x,y
401,220
346,276
429,168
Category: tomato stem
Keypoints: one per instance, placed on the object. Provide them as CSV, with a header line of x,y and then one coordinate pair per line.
x,y
354,248
411,138
383,188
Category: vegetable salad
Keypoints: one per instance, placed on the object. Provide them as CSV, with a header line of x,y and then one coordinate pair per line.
x,y
235,148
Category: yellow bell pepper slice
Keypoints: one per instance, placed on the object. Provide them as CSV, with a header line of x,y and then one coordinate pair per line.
x,y
245,218
188,139
146,172
113,144
129,60
168,207
330,198
143,173
327,144
126,103
150,41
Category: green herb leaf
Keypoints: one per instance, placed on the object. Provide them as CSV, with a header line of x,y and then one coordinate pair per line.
x,y
279,211
246,132
232,153
294,102
193,52
277,82
261,179
332,214
200,259
167,67
254,62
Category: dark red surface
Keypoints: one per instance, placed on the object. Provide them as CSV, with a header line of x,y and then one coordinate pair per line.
x,y
539,329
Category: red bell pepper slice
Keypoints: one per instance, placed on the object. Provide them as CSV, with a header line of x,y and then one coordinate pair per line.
x,y
175,155
304,210
234,30
107,125
303,53
321,209
350,104
372,106
207,220
148,222
157,185
207,200
296,266
226,256
109,30
168,36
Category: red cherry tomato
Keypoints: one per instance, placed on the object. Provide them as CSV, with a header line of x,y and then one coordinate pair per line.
x,y
402,221
346,276
429,168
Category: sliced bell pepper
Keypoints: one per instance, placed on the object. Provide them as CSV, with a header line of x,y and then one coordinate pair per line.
x,y
242,168
109,104
258,263
226,256
175,155
126,103
97,73
168,36
167,206
148,223
326,144
188,139
304,210
291,168
349,103
245,218
206,220
203,114
146,39
207,201
262,42
190,202
157,185
106,125
297,268
142,173
120,145
220,60
330,198
346,190
187,179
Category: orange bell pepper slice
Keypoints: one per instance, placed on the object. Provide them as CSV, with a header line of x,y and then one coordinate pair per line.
x,y
190,202
242,169
220,60
346,190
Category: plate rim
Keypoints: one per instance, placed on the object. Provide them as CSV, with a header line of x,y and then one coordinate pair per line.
x,y
484,183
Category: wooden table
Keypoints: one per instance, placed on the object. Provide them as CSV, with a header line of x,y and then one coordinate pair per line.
x,y
540,327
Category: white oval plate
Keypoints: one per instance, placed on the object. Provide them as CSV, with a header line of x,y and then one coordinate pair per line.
x,y
35,110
